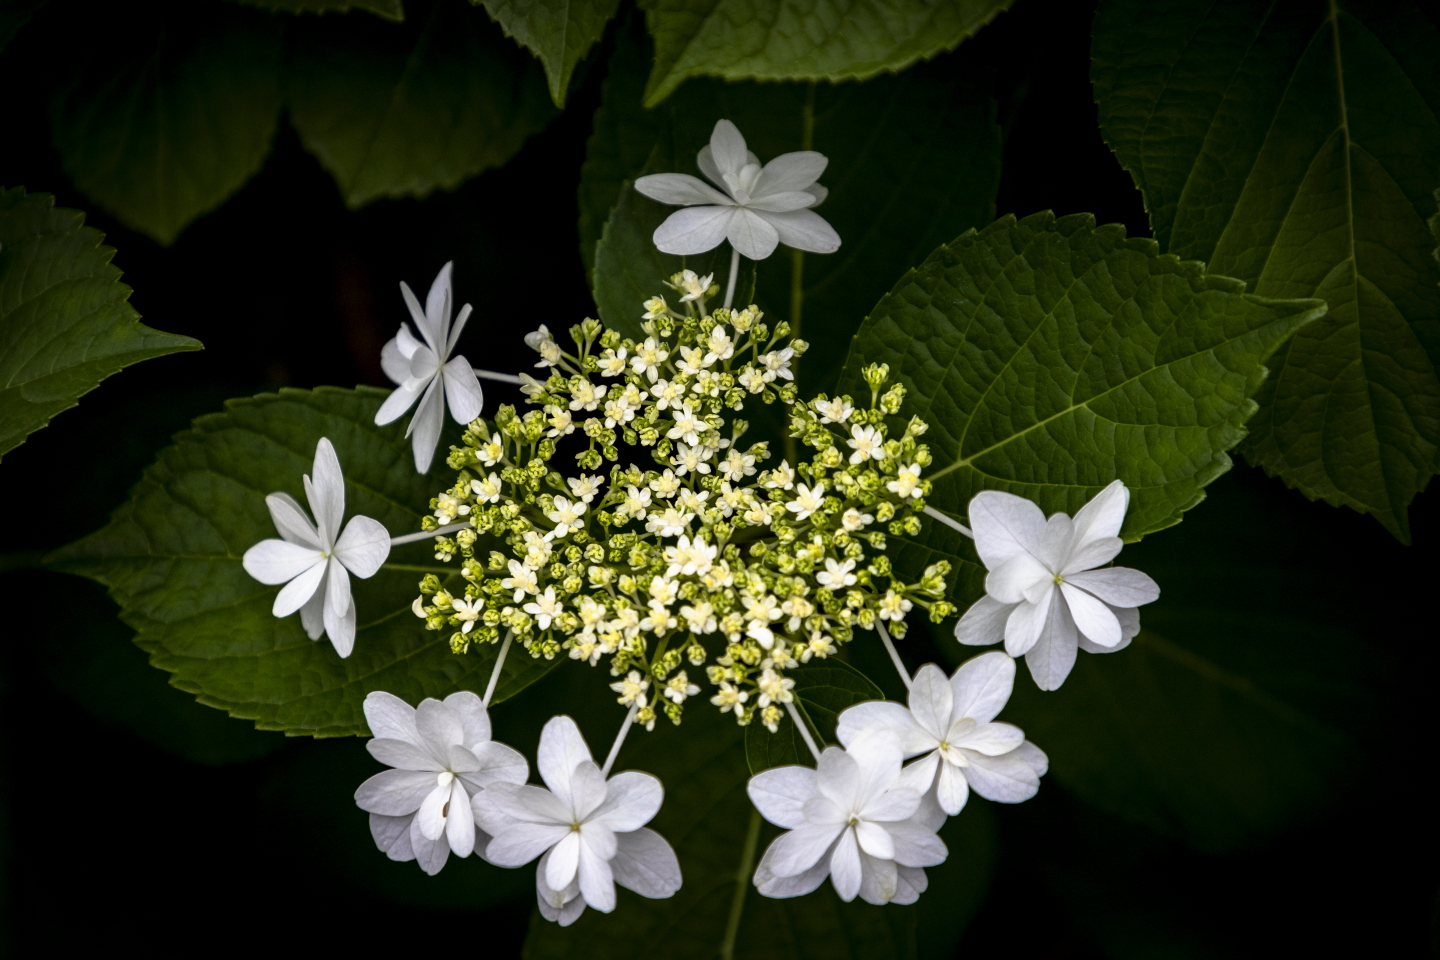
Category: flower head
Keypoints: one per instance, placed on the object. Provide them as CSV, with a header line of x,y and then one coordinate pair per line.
x,y
426,372
950,721
314,559
755,207
442,756
1045,596
589,832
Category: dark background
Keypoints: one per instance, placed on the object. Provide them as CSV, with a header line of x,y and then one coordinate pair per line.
x,y
121,795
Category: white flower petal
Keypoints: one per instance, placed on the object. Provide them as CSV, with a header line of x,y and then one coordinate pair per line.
x,y
1091,554
1033,757
327,496
523,802
1026,625
783,202
597,882
897,803
991,739
1053,656
395,405
499,764
632,799
693,230
425,426
770,885
394,361
460,821
280,561
462,390
423,366
780,792
392,836
791,171
292,522
845,866
394,793
680,189
1092,617
1005,779
437,306
882,717
1013,580
982,686
951,790
561,749
341,630
1004,525
337,590
439,729
391,717
430,854
1117,586
293,595
819,192
920,775
644,862
1056,541
796,851
417,315
931,701
910,882
460,321
878,880
363,546
837,776
564,861
462,761
312,614
1104,514
404,755
522,842
805,230
727,148
587,789
916,845
984,622
752,234
474,721
874,839
429,817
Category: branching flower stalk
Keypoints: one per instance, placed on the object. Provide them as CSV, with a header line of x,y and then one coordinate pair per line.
x,y
706,556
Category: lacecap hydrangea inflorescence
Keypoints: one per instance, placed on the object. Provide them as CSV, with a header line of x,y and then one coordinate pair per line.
x,y
720,557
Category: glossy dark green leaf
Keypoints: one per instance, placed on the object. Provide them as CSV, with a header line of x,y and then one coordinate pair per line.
x,y
65,318
403,110
1050,357
558,32
798,40
171,558
1296,145
824,688
389,9
168,111
925,170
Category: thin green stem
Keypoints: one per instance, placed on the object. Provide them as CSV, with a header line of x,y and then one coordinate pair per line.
x,y
742,886
417,568
894,654
734,273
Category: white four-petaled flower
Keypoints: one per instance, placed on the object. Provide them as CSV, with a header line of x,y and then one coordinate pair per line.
x,y
427,372
1045,596
755,208
443,756
314,560
951,723
849,819
589,832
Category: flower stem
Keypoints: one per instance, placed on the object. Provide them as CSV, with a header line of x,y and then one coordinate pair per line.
x,y
930,511
502,377
495,670
894,654
804,730
742,886
619,739
424,534
734,273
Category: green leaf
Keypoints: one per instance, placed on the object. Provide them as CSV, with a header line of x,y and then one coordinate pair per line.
x,y
171,558
795,40
1296,146
1050,357
389,9
403,110
559,32
823,688
1221,722
65,318
718,838
170,113
926,170
14,14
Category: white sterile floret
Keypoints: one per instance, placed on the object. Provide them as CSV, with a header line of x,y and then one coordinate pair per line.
x,y
568,516
632,689
737,466
679,687
868,444
777,364
443,756
906,482
545,608
951,723
851,820
833,411
427,372
807,500
467,611
487,489
1045,596
585,487
755,208
589,832
315,560
836,575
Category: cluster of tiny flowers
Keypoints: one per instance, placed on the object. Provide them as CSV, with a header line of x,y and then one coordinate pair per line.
x,y
717,562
